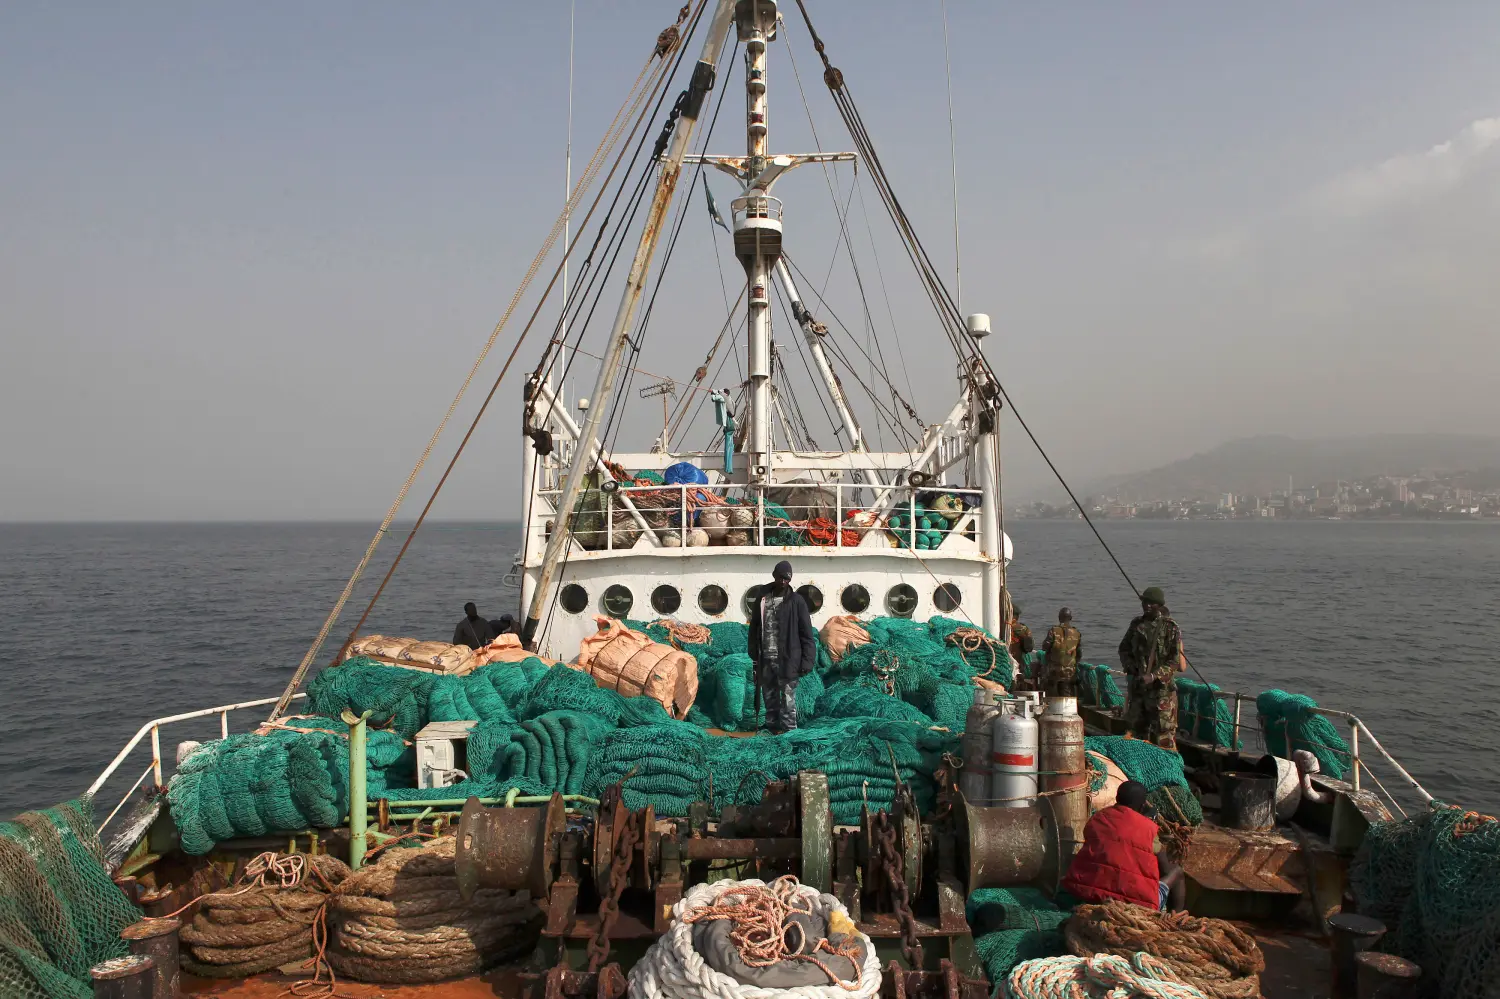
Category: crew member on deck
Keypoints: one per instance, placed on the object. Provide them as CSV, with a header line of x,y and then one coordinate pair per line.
x,y
505,624
782,646
1021,644
473,631
1063,648
1151,656
1121,857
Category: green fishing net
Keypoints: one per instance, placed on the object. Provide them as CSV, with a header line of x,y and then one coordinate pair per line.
x,y
1014,925
1204,716
60,913
1097,686
1289,718
1434,880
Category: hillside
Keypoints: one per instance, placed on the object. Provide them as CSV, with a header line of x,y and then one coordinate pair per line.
x,y
1260,465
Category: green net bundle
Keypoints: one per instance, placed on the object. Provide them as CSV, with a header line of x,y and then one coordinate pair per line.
x,y
1141,761
60,914
1204,716
888,708
1012,925
1097,686
1434,879
1288,717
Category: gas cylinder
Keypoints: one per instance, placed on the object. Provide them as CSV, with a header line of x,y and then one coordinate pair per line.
x,y
1013,756
1065,771
974,778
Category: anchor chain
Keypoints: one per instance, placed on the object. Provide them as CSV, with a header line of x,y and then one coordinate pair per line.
x,y
895,875
609,906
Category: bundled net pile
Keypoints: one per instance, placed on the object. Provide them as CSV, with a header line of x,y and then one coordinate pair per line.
x,y
884,711
1434,879
291,778
1160,770
265,921
1012,925
1289,723
401,920
1097,686
1204,716
60,913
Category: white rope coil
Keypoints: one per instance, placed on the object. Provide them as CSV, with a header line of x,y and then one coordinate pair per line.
x,y
673,969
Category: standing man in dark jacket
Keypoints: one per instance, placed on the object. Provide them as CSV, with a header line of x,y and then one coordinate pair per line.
x,y
783,647
473,630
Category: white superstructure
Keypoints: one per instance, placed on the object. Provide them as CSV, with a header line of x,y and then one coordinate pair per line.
x,y
595,545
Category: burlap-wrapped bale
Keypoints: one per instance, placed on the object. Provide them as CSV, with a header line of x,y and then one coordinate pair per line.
x,y
632,665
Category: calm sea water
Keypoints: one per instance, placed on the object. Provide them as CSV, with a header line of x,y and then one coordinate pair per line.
x,y
103,627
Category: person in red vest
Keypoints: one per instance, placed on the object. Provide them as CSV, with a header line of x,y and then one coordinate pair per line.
x,y
1121,857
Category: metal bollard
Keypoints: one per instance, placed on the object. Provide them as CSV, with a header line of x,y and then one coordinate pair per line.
x,y
123,978
157,939
1352,934
1385,976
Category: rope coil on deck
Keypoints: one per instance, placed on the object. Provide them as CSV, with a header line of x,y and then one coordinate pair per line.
x,y
1212,955
673,968
1103,976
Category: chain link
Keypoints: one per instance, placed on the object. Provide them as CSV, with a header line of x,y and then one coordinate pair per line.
x,y
609,906
895,875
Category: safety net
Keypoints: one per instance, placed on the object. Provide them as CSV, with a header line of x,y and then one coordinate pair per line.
x,y
60,914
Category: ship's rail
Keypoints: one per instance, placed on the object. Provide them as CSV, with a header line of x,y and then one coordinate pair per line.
x,y
153,729
668,511
1251,737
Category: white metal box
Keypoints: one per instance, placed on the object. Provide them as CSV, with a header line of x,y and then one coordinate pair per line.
x,y
442,753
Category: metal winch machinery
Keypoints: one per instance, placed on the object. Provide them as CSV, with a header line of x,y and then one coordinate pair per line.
x,y
607,881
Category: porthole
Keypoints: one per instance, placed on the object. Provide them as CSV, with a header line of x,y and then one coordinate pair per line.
x,y
901,601
666,598
618,600
947,597
855,598
813,596
712,599
574,598
752,595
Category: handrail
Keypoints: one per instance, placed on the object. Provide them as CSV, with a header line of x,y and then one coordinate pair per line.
x,y
1356,727
153,728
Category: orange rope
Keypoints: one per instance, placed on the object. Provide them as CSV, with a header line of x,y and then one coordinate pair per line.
x,y
760,924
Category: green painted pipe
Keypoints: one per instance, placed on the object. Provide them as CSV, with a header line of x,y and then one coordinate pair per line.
x,y
535,799
359,805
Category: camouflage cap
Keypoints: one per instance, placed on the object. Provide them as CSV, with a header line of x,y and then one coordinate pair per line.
x,y
1153,595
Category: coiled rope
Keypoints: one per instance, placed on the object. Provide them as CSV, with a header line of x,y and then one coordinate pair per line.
x,y
1103,976
673,968
1212,955
970,641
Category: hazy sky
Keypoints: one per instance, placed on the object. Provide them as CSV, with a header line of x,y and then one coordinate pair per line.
x,y
248,252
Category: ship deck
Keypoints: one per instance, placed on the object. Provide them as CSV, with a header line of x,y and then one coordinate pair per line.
x,y
1297,967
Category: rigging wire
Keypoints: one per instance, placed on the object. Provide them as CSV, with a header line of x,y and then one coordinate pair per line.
x,y
484,406
601,153
958,270
942,300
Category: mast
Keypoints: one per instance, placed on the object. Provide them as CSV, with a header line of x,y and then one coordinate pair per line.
x,y
635,284
757,25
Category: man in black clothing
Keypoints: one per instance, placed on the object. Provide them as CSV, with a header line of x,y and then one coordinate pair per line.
x,y
783,646
503,625
473,631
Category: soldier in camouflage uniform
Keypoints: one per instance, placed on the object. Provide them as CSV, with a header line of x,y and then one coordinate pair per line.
x,y
1063,648
1021,644
1151,655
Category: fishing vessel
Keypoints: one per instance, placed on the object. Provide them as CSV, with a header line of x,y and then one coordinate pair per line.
x,y
893,798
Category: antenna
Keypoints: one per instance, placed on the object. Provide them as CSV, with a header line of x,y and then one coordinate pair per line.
x,y
958,273
663,389
567,178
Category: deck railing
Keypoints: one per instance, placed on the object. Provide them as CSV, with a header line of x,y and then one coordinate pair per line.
x,y
670,511
152,729
1251,736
